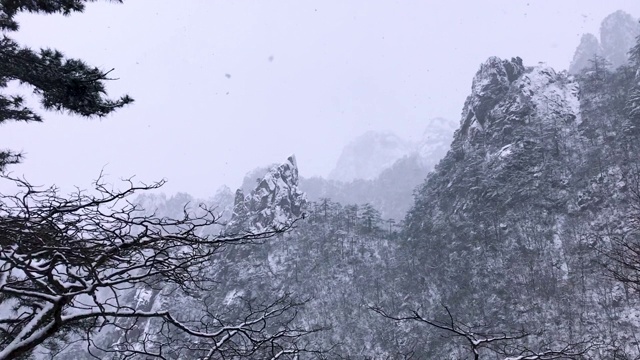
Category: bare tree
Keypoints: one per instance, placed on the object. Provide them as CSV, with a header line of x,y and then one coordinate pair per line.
x,y
620,250
66,263
506,345
621,258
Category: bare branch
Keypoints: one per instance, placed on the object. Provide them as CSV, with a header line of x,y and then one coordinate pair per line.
x,y
67,262
505,344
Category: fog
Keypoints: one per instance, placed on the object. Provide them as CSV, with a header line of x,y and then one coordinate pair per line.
x,y
224,87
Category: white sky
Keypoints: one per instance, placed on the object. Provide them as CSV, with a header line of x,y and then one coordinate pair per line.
x,y
306,77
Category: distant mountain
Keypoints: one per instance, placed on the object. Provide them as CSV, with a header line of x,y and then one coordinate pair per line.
x,y
588,49
435,141
391,192
174,206
369,154
618,33
393,168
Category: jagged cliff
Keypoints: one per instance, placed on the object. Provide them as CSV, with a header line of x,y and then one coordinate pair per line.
x,y
503,231
274,202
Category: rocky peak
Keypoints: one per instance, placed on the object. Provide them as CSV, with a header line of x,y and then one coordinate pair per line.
x,y
253,177
489,85
501,105
274,202
589,48
618,33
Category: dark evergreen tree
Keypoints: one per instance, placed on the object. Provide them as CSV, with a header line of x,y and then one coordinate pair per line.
x,y
371,218
595,75
61,83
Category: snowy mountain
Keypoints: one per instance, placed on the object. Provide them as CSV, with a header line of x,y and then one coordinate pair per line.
x,y
391,189
369,154
275,201
366,157
395,167
618,33
511,231
391,192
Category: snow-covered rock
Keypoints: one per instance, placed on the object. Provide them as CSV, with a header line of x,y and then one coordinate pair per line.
x,y
490,84
275,201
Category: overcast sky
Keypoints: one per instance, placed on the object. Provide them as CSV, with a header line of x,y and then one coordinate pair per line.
x,y
222,87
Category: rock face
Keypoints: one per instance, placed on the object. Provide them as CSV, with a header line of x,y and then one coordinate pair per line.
x,y
276,201
492,121
490,84
618,33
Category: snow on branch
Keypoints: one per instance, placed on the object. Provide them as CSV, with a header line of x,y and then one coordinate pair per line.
x,y
66,261
505,344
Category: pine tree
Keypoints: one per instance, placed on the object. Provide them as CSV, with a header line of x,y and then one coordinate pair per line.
x,y
61,84
371,218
